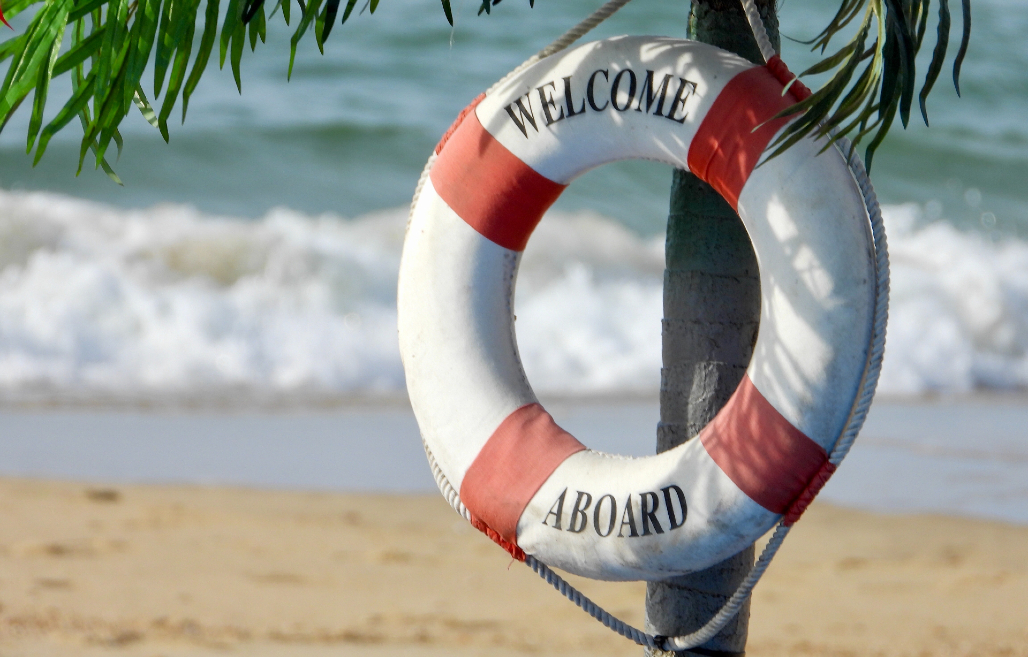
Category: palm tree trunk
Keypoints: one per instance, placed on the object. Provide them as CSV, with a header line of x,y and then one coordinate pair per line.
x,y
711,316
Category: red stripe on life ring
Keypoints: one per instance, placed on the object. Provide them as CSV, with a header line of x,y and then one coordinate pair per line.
x,y
514,463
770,460
729,143
488,187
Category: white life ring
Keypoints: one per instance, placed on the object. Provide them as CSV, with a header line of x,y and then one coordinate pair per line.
x,y
527,483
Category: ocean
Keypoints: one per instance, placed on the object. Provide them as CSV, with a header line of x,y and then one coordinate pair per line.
x,y
256,254
251,264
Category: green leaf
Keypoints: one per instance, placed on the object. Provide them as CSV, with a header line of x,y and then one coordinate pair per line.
x,y
79,53
258,29
139,98
448,12
964,41
22,76
9,47
144,32
75,105
170,32
328,18
210,31
84,8
178,74
14,8
308,16
42,87
938,56
238,42
346,12
829,63
113,45
233,16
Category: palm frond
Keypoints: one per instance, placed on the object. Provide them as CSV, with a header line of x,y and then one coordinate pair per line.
x,y
888,81
110,44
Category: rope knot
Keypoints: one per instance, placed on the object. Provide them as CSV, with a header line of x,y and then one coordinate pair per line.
x,y
808,495
456,123
511,548
777,68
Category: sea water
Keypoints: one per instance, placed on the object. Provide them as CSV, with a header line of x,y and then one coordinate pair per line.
x,y
257,252
253,259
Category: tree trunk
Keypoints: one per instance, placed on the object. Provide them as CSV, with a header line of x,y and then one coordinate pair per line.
x,y
711,316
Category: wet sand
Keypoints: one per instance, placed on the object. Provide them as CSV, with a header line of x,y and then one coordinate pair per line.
x,y
148,571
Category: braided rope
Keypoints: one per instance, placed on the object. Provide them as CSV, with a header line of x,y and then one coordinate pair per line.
x,y
858,412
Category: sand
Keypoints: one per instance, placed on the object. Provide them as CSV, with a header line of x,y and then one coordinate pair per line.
x,y
170,571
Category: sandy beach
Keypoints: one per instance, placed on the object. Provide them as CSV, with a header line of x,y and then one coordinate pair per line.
x,y
188,571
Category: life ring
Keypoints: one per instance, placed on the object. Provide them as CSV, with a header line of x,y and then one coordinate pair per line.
x,y
524,481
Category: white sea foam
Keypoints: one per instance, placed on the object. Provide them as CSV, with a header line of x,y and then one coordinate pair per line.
x,y
99,301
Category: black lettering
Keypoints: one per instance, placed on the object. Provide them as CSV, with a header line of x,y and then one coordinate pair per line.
x,y
631,520
646,91
674,523
527,116
648,513
611,519
589,90
559,513
548,103
579,512
567,99
680,97
614,87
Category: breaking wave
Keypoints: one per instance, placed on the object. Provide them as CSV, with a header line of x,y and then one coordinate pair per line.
x,y
99,302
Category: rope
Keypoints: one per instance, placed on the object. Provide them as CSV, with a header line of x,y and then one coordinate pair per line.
x,y
858,412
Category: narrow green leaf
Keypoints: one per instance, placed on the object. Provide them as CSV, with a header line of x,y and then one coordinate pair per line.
x,y
448,12
119,142
899,24
922,25
12,9
256,28
233,16
829,63
9,47
329,18
262,27
349,9
22,75
238,42
938,56
178,74
14,108
75,105
308,16
172,27
114,38
42,88
139,98
210,32
964,41
250,8
79,53
143,36
883,129
83,8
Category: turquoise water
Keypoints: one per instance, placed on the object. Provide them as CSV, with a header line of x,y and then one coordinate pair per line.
x,y
257,252
350,132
